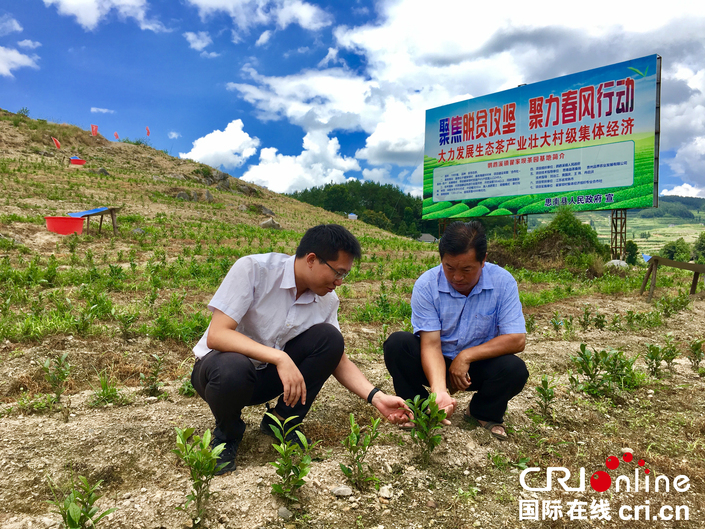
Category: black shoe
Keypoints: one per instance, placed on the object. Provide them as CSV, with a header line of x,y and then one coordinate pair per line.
x,y
227,456
268,422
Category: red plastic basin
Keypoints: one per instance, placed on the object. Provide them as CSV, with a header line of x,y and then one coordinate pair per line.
x,y
77,161
65,225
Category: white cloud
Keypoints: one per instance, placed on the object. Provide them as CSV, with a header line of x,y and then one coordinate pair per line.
x,y
249,13
210,54
320,162
686,190
228,148
264,38
89,13
96,110
174,135
306,15
198,41
12,59
331,56
9,25
29,44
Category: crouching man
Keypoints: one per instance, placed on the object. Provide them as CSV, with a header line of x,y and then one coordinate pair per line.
x,y
274,332
468,325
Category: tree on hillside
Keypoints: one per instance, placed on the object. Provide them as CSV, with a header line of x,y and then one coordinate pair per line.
x,y
677,250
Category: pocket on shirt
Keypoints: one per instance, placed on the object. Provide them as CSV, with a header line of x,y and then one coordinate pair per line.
x,y
484,327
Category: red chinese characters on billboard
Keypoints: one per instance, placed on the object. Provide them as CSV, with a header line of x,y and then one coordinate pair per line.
x,y
484,132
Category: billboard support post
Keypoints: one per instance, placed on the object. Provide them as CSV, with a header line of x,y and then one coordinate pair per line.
x,y
618,233
520,220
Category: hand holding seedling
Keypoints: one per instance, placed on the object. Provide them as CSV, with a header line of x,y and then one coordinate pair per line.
x,y
392,407
446,403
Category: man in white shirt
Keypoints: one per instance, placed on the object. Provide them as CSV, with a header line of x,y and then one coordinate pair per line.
x,y
274,332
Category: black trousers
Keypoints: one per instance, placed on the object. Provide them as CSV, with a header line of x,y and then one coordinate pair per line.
x,y
496,380
229,381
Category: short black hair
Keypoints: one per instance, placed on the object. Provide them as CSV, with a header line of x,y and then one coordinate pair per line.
x,y
461,237
326,240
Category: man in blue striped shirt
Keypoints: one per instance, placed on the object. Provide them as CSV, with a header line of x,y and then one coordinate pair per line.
x,y
468,327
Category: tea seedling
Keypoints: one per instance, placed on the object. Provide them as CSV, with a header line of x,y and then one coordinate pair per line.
x,y
202,462
108,393
294,462
357,444
77,509
428,419
546,395
696,354
586,318
150,382
186,389
603,372
670,351
653,358
56,372
530,323
556,321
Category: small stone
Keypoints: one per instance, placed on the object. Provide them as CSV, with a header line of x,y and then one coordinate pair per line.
x,y
388,467
342,491
143,490
385,491
285,513
477,523
296,506
346,508
466,472
383,501
431,504
127,496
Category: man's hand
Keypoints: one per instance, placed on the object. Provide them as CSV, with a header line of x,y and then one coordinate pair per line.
x,y
392,407
447,403
292,380
458,373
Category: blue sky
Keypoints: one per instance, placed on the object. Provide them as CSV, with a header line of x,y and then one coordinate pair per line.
x,y
290,93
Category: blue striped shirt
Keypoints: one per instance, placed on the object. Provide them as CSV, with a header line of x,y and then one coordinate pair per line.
x,y
491,309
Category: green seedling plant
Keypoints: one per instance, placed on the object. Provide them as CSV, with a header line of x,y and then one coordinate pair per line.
x,y
202,462
546,395
427,420
56,372
294,462
150,383
186,388
556,321
569,326
530,324
77,508
603,372
696,354
670,351
107,392
586,318
653,358
357,444
599,321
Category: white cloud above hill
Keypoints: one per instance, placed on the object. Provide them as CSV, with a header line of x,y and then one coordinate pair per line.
x,y
320,162
228,148
11,59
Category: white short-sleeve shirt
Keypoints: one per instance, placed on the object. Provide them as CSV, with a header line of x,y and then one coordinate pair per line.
x,y
259,293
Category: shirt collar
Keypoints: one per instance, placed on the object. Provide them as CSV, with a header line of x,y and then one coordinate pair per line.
x,y
289,282
484,283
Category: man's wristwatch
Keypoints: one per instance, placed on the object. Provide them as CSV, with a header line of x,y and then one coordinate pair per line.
x,y
372,394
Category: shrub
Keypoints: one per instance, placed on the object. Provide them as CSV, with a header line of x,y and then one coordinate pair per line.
x,y
677,250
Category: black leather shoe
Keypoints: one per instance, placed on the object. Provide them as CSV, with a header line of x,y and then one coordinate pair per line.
x,y
227,456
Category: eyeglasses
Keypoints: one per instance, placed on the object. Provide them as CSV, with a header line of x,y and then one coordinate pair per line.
x,y
338,275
